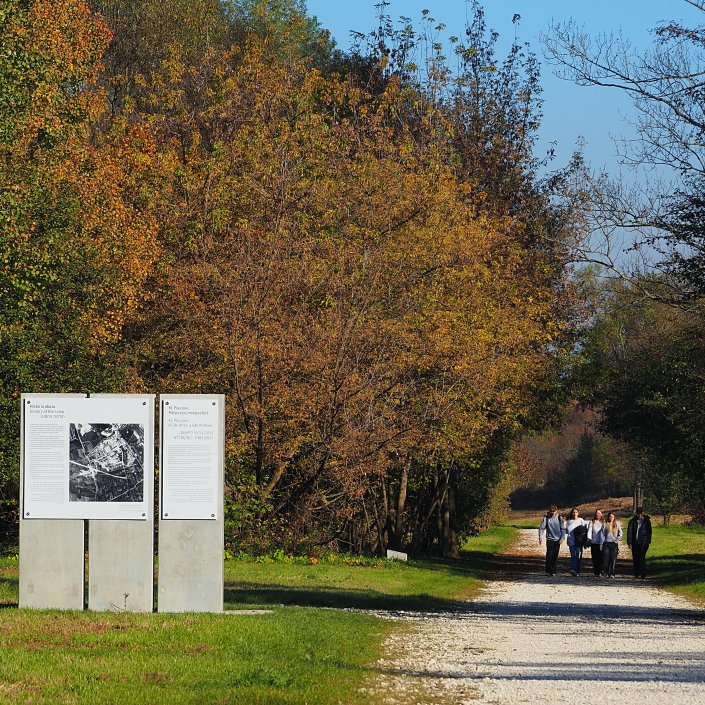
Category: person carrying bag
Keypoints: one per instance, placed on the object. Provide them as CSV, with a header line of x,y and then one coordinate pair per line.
x,y
576,531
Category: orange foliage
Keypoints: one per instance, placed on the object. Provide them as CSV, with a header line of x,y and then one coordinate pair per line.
x,y
333,274
237,221
78,240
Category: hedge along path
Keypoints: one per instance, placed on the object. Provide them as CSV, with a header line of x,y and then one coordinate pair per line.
x,y
530,639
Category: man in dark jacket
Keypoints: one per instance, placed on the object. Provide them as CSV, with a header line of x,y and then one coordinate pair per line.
x,y
638,539
553,525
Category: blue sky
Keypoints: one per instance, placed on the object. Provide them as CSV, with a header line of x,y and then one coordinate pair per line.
x,y
570,112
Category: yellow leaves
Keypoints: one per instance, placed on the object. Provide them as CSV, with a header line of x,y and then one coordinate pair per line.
x,y
56,47
320,258
108,234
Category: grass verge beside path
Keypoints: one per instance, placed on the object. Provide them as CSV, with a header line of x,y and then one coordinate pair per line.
x,y
300,653
676,559
368,584
290,656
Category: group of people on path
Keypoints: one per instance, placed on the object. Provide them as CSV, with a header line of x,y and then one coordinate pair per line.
x,y
601,534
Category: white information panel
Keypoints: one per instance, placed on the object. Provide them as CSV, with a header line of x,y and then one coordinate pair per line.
x,y
87,457
191,456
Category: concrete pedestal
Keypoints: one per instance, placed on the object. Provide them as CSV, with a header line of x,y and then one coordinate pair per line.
x,y
52,574
121,566
121,551
190,574
52,553
190,566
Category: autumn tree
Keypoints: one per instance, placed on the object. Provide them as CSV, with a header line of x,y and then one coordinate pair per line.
x,y
148,35
380,332
75,242
489,109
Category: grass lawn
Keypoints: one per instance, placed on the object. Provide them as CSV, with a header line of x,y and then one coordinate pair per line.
x,y
290,656
676,559
299,653
364,583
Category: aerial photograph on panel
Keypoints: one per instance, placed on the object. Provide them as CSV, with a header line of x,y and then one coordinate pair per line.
x,y
106,462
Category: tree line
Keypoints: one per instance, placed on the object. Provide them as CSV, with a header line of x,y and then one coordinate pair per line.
x,y
355,248
642,363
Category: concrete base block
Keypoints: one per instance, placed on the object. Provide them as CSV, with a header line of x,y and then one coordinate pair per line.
x,y
52,564
190,566
121,566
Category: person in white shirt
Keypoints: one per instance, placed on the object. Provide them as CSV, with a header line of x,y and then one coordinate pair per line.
x,y
553,526
596,537
575,530
610,546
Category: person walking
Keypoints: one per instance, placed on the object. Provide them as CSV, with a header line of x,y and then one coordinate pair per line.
x,y
576,531
553,525
638,539
596,537
610,546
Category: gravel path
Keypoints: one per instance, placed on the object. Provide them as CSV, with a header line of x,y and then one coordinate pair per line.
x,y
532,639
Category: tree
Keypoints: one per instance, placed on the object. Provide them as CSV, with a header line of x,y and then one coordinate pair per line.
x,y
148,35
151,37
75,241
296,34
385,305
665,84
645,362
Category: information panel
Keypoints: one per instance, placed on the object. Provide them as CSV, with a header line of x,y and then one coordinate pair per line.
x,y
191,456
87,457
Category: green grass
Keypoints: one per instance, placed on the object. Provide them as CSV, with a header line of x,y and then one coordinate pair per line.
x,y
297,654
494,541
525,523
676,559
9,586
366,584
289,656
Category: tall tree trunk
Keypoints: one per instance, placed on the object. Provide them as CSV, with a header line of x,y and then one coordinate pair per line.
x,y
423,538
401,506
259,451
445,527
453,551
380,522
372,541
